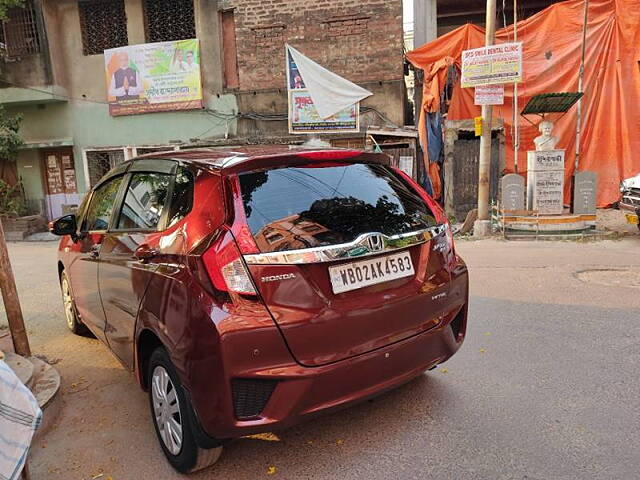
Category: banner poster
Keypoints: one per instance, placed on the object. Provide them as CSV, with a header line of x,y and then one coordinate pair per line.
x,y
154,77
492,65
303,115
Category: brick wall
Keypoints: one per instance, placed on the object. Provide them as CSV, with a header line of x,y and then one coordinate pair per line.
x,y
360,40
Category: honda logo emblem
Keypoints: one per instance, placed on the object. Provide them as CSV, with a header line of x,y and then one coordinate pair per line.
x,y
375,243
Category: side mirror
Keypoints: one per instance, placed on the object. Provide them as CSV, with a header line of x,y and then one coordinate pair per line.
x,y
66,225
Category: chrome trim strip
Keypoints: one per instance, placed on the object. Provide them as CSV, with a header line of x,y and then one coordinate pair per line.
x,y
360,247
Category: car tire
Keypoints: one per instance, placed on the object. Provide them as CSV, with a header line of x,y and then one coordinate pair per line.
x,y
71,314
170,415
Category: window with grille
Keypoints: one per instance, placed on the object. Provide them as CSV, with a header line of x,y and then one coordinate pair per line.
x,y
20,31
103,24
99,162
167,20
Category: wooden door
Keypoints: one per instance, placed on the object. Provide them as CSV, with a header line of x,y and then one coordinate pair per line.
x,y
59,181
59,172
466,153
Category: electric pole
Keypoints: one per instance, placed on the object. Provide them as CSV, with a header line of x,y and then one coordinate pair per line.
x,y
482,227
11,301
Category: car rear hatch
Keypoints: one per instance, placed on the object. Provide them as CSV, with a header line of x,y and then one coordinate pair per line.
x,y
350,256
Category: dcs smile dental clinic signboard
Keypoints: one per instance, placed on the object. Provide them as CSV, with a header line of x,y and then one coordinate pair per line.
x,y
492,65
154,77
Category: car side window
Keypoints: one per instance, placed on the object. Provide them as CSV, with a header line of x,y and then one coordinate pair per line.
x,y
101,206
144,202
181,197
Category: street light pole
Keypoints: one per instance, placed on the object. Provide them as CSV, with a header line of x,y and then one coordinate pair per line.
x,y
516,114
482,226
11,301
581,86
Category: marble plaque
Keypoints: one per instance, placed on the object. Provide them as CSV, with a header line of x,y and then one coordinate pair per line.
x,y
585,188
512,187
545,192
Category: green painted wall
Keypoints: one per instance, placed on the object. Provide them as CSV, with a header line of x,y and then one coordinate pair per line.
x,y
88,125
46,123
30,173
92,125
84,121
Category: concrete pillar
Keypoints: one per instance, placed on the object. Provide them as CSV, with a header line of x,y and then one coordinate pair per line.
x,y
207,30
425,29
425,21
135,21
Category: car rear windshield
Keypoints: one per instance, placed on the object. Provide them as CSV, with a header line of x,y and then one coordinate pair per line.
x,y
305,207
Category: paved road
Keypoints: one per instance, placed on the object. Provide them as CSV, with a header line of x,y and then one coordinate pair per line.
x,y
545,386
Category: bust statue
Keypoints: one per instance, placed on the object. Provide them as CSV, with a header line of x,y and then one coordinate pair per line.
x,y
545,141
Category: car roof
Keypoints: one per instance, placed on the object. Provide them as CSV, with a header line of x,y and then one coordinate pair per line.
x,y
250,156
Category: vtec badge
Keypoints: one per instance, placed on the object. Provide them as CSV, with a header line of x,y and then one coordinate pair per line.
x,y
277,278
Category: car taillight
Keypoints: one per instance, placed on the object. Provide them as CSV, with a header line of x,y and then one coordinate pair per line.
x,y
239,229
226,268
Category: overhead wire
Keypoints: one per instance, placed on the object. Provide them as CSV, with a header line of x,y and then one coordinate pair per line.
x,y
227,117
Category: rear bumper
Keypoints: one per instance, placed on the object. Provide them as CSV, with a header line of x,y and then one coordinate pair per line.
x,y
354,380
303,392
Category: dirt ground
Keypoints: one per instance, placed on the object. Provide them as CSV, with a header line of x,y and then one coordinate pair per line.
x,y
615,221
541,389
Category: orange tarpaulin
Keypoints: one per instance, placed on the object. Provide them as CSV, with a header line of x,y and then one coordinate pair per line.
x,y
552,43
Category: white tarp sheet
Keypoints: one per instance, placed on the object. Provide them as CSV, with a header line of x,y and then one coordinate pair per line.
x,y
330,92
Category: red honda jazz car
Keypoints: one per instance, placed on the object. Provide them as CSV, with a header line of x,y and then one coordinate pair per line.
x,y
251,289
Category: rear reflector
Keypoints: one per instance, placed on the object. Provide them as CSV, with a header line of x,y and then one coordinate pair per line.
x,y
250,396
457,322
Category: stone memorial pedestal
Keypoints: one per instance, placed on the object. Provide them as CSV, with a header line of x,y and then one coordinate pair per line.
x,y
512,188
585,187
545,181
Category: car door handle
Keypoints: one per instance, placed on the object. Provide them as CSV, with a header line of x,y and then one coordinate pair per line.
x,y
144,253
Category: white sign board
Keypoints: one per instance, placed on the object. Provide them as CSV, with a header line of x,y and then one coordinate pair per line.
x,y
405,163
489,95
492,65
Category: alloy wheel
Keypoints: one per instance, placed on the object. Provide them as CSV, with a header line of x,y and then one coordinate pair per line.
x,y
67,300
166,410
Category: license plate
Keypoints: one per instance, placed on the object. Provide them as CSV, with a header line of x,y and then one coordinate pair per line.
x,y
352,276
632,218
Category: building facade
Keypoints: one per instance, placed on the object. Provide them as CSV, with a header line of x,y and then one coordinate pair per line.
x,y
52,72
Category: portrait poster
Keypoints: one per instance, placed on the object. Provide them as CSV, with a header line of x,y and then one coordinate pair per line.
x,y
154,77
